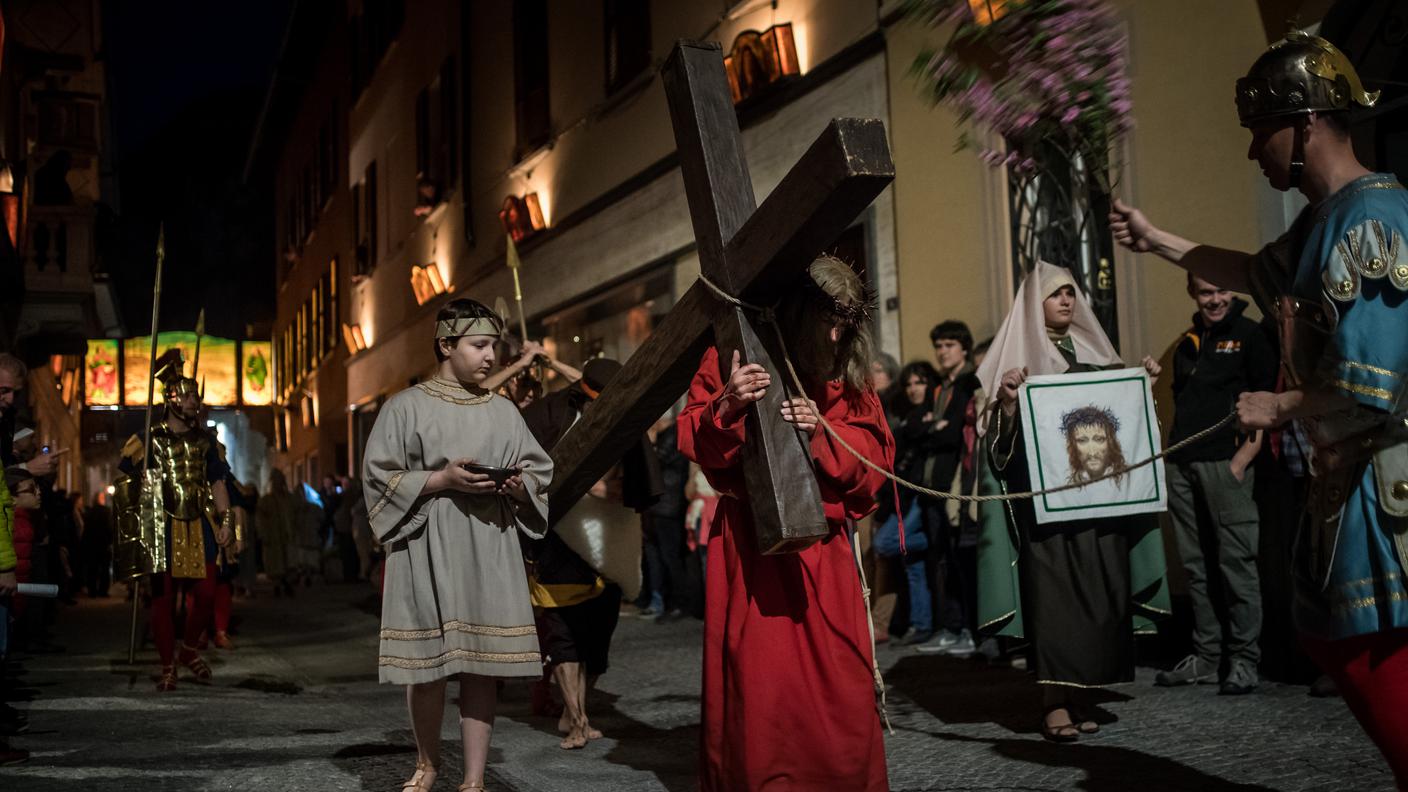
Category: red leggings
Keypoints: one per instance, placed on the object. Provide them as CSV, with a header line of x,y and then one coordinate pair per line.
x,y
224,602
164,617
1372,674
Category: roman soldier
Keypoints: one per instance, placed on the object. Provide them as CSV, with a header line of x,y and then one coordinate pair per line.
x,y
175,519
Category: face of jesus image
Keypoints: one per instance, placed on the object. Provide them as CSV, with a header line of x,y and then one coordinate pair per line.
x,y
1092,446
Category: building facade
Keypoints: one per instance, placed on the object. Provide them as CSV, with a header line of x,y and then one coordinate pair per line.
x,y
56,290
428,131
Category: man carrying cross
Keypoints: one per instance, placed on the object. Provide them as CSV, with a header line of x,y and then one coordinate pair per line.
x,y
787,661
788,692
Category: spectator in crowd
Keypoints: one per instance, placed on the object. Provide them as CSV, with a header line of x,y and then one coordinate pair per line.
x,y
703,502
249,554
308,535
277,517
952,559
97,550
342,529
664,525
909,401
329,498
1210,484
884,372
17,491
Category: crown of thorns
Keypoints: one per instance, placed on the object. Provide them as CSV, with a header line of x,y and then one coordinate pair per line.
x,y
1089,416
854,313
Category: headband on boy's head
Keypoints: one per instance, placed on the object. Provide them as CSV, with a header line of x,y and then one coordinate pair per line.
x,y
469,325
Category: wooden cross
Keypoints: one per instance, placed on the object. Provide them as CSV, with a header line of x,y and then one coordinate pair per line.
x,y
753,253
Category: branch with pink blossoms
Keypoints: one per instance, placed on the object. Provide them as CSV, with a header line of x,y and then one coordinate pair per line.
x,y
1050,72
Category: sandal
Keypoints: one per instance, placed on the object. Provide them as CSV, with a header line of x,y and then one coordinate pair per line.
x,y
470,786
167,683
1066,732
1085,724
423,779
191,660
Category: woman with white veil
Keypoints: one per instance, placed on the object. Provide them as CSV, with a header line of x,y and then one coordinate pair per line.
x,y
1082,583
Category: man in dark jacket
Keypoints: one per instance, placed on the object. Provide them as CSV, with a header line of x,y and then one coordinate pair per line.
x,y
1221,356
952,550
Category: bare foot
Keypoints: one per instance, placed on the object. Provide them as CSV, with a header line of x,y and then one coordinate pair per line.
x,y
593,734
575,739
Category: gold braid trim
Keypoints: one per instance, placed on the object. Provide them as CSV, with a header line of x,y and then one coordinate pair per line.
x,y
389,634
1362,390
447,393
1372,369
386,496
416,664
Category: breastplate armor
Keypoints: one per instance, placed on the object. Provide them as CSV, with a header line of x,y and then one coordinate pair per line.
x,y
181,459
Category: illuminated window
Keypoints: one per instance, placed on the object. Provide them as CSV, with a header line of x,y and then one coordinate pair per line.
x,y
427,283
522,217
759,60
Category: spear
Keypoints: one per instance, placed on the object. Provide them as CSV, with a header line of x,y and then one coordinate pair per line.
x,y
147,453
200,333
511,258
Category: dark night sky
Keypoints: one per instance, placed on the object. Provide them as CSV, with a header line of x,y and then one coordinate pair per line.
x,y
166,53
187,80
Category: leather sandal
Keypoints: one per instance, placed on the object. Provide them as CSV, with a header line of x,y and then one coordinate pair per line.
x,y
191,660
1066,732
167,683
423,779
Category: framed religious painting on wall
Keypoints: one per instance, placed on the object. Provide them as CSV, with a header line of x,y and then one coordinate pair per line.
x,y
1088,429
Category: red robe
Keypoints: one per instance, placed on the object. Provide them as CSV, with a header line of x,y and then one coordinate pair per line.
x,y
789,696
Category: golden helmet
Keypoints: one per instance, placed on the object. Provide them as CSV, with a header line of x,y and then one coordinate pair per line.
x,y
179,386
1303,74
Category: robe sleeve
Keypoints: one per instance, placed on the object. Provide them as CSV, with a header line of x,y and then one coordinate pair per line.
x,y
1367,357
537,475
392,490
703,437
861,423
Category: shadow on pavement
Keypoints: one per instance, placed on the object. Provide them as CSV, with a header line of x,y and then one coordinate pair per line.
x,y
671,755
1110,768
963,691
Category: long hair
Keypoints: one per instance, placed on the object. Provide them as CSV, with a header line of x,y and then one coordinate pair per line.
x,y
898,401
1114,454
832,295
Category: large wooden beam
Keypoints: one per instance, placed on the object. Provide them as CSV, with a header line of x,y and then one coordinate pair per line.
x,y
756,253
645,387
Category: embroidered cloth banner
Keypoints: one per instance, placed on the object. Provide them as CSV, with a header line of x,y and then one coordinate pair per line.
x,y
1079,427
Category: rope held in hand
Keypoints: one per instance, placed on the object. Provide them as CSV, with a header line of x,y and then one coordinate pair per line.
x,y
766,315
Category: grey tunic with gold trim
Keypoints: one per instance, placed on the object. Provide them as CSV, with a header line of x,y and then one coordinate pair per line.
x,y
455,599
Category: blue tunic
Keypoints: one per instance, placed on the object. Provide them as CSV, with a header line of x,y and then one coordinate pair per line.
x,y
1354,262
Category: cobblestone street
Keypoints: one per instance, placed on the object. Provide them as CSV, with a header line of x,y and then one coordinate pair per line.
x,y
296,707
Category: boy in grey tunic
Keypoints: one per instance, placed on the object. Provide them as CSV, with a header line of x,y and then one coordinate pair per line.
x,y
455,600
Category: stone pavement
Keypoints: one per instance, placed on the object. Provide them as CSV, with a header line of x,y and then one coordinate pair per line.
x,y
296,707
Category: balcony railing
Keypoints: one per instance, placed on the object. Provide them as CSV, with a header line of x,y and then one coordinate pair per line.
x,y
59,250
